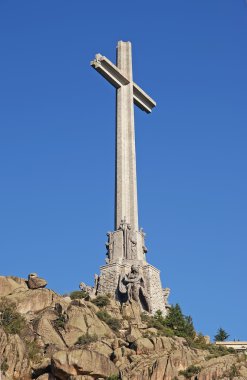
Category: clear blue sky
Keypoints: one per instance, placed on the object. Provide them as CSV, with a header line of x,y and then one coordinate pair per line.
x,y
57,145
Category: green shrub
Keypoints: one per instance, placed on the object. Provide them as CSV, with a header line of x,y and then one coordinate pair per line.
x,y
33,351
11,321
4,366
167,332
113,323
78,294
234,371
157,321
217,351
86,339
113,377
145,317
59,323
103,315
190,371
149,334
198,342
101,301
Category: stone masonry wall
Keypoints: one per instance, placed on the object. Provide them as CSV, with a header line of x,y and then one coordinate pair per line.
x,y
109,277
154,289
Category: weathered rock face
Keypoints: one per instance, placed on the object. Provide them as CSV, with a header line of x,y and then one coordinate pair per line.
x,y
64,339
46,376
11,284
44,327
161,358
13,349
32,301
83,320
82,362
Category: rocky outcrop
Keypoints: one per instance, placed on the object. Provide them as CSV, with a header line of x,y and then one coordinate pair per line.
x,y
11,284
35,282
44,327
66,339
82,362
83,320
33,301
159,358
13,349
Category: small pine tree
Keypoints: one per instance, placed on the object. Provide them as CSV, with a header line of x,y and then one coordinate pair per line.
x,y
179,323
221,335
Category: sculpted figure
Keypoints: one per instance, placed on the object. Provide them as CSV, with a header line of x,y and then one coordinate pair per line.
x,y
144,248
96,283
91,290
109,247
166,293
85,288
135,288
131,243
123,227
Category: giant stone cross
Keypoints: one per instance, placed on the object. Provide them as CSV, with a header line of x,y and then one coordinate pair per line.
x,y
128,92
126,256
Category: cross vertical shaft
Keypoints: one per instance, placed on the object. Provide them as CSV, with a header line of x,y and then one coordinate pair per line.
x,y
125,176
128,93
127,275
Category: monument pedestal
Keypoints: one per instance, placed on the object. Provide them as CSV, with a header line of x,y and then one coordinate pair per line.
x,y
112,274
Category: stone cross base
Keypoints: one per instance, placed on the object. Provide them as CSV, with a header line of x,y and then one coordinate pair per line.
x,y
110,283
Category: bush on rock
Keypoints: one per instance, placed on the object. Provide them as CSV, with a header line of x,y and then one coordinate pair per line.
x,y
11,321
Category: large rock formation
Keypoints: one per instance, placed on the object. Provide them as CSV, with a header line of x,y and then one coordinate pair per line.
x,y
51,337
35,282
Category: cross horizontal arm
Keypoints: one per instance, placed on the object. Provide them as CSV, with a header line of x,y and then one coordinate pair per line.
x,y
112,73
109,71
142,100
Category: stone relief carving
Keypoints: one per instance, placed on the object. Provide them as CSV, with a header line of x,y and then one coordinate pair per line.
x,y
109,246
144,248
131,243
85,288
123,227
133,286
96,283
129,240
91,290
124,247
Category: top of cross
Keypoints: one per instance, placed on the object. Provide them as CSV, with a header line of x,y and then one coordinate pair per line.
x,y
117,78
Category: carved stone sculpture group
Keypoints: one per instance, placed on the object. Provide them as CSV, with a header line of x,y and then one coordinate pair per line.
x,y
133,285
